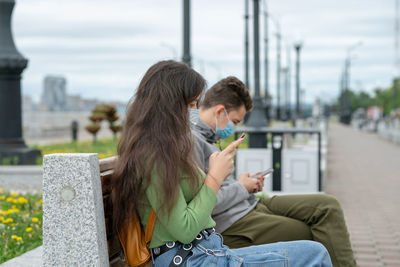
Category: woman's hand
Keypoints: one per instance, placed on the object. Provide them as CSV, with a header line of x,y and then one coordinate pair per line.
x,y
221,165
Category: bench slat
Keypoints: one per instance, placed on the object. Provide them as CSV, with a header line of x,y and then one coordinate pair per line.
x,y
106,180
106,171
107,163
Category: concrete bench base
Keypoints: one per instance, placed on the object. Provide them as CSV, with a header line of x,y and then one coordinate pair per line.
x,y
31,258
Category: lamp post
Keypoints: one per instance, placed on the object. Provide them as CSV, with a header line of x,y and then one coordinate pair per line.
x,y
345,107
246,43
288,82
186,58
257,116
297,47
12,64
267,99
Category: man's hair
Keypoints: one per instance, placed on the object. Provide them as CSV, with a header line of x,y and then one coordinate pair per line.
x,y
230,92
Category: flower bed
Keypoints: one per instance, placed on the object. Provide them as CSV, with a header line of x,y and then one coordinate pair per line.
x,y
20,223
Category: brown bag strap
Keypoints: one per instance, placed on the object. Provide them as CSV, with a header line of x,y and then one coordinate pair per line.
x,y
151,221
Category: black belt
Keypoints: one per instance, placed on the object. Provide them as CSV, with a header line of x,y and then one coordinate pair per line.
x,y
185,249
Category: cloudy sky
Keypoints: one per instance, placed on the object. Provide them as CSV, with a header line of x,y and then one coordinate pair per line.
x,y
103,47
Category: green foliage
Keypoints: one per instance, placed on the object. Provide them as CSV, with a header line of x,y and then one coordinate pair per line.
x,y
20,223
9,160
385,98
105,147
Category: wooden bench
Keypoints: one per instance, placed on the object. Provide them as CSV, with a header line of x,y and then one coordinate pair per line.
x,y
114,249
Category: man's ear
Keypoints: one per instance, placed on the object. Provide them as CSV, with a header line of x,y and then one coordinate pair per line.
x,y
218,109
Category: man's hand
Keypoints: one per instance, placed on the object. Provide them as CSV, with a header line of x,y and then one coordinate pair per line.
x,y
251,184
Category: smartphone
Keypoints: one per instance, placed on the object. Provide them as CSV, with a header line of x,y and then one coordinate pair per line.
x,y
266,172
242,135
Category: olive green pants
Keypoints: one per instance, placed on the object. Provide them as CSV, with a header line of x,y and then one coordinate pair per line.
x,y
315,217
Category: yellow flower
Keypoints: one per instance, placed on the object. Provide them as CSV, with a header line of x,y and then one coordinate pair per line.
x,y
41,201
14,194
19,239
8,220
5,212
9,199
2,197
13,224
22,200
29,229
34,219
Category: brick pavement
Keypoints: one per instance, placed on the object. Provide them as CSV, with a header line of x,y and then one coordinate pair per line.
x,y
364,175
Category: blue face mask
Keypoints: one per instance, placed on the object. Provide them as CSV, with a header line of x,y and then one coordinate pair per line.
x,y
193,116
227,131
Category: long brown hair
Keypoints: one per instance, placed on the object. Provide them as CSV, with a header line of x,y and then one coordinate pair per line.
x,y
156,137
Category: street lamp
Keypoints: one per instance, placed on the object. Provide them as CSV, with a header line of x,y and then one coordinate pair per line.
x,y
12,64
267,98
257,116
246,43
278,65
297,47
186,58
345,113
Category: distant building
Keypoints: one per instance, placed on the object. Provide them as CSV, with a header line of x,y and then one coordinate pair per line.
x,y
28,104
54,97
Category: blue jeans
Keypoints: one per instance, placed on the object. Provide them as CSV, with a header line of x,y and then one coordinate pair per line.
x,y
212,252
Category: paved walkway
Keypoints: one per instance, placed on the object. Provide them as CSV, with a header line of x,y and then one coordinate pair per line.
x,y
364,174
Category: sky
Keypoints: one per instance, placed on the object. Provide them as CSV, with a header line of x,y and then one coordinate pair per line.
x,y
104,47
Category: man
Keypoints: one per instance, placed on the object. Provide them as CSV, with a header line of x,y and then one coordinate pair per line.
x,y
244,220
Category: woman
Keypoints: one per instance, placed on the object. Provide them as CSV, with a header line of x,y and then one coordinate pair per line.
x,y
156,169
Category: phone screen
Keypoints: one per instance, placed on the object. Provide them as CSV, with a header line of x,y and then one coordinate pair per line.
x,y
268,171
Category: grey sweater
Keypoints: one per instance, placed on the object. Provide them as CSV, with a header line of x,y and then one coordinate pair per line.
x,y
234,201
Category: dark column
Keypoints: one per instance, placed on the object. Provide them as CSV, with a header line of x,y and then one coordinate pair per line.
x,y
257,116
396,85
346,118
278,75
186,33
267,99
298,48
12,63
246,43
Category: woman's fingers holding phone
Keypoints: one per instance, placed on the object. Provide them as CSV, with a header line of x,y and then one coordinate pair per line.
x,y
231,149
221,165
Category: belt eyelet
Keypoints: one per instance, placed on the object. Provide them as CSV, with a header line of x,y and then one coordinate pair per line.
x,y
177,260
170,244
156,251
188,246
199,237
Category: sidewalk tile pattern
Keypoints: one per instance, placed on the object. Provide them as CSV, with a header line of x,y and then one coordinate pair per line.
x,y
364,175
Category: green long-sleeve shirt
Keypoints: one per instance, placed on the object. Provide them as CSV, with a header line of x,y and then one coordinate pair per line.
x,y
190,214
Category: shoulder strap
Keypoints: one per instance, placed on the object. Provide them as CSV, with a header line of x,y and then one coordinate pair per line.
x,y
151,221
